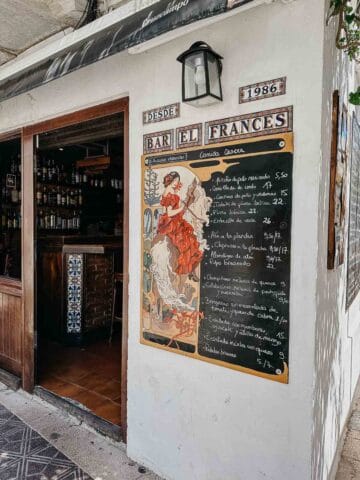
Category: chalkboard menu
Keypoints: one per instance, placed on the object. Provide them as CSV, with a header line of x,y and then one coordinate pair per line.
x,y
353,270
216,253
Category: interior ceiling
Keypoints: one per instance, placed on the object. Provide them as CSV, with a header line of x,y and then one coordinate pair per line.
x,y
24,23
84,133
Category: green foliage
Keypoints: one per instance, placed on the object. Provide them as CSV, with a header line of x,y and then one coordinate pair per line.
x,y
355,97
348,33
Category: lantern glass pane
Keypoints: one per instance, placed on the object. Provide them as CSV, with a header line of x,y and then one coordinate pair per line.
x,y
195,76
214,76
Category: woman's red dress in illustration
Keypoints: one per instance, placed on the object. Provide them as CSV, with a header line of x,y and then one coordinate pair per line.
x,y
179,231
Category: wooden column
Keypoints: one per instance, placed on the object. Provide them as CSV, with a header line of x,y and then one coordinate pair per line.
x,y
28,260
125,321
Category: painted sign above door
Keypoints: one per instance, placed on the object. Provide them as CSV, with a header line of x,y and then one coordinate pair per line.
x,y
161,113
249,125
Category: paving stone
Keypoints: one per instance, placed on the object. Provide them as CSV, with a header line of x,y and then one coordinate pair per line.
x,y
101,457
355,434
348,470
351,448
25,455
354,422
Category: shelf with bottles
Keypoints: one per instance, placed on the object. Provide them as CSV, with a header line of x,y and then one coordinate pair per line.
x,y
11,180
56,174
10,220
10,197
54,219
58,197
59,208
9,206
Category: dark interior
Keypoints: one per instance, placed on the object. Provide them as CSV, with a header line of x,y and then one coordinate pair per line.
x,y
10,205
79,214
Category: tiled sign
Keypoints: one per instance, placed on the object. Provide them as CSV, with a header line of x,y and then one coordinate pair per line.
x,y
161,113
250,125
189,136
259,91
159,141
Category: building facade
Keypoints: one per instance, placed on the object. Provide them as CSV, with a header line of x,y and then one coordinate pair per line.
x,y
187,418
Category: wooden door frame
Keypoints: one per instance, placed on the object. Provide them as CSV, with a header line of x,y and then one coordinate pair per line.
x,y
29,265
9,285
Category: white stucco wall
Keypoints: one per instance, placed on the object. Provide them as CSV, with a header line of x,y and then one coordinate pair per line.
x,y
189,419
337,360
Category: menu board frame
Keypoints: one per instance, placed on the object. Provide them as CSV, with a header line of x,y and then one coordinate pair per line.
x,y
215,158
353,269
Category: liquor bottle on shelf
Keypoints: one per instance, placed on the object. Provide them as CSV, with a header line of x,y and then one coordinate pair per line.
x,y
116,183
52,220
11,220
14,196
13,166
5,192
58,196
38,194
41,219
44,195
16,220
43,171
58,221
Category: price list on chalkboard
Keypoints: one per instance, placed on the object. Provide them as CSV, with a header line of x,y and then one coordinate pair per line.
x,y
216,250
353,268
245,272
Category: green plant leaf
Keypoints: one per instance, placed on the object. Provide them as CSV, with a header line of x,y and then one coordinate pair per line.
x,y
354,97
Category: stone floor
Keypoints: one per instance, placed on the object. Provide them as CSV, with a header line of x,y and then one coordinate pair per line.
x,y
349,466
26,454
39,442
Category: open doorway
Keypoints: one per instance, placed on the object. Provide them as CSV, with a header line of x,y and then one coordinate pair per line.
x,y
80,207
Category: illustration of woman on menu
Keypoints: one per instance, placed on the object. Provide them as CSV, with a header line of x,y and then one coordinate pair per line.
x,y
176,252
173,225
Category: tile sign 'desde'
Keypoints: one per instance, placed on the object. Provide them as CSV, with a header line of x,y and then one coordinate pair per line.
x,y
216,252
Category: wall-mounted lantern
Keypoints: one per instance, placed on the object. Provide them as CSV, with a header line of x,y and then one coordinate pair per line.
x,y
201,77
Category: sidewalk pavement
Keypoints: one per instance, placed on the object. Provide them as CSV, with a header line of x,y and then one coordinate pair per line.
x,y
349,466
39,442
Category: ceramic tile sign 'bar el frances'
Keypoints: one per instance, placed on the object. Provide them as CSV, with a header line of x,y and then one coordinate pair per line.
x,y
249,125
189,136
159,141
216,241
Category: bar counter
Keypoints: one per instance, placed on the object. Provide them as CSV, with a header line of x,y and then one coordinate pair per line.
x,y
76,286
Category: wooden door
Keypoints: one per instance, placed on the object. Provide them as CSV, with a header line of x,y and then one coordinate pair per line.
x,y
11,317
11,326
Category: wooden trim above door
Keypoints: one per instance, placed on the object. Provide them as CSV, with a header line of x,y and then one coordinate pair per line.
x,y
12,135
90,113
